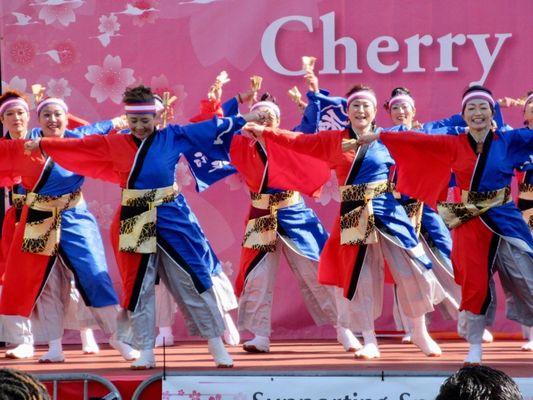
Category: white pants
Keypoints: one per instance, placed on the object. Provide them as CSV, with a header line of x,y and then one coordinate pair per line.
x,y
255,303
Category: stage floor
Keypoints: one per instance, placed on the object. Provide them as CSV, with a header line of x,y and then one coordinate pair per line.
x,y
287,356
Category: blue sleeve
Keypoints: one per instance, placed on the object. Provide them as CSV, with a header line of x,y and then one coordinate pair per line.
x,y
311,117
230,107
454,121
520,147
98,128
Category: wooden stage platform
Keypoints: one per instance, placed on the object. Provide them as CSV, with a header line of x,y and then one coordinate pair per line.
x,y
286,357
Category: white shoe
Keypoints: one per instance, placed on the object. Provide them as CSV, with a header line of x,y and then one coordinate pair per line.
x,y
368,352
231,333
348,340
51,357
21,351
259,344
125,350
425,343
487,337
406,339
527,346
89,345
146,360
219,353
475,354
169,340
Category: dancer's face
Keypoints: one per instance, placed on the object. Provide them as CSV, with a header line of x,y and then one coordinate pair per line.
x,y
528,114
272,121
402,114
141,125
53,121
478,115
361,113
15,120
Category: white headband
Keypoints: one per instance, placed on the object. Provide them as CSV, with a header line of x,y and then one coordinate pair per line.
x,y
52,100
140,108
14,102
402,98
528,100
267,104
364,95
478,95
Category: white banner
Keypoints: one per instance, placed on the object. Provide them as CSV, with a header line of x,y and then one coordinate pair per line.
x,y
309,388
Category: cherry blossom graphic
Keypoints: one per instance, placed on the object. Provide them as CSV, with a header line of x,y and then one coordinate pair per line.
x,y
150,13
58,88
181,392
110,80
160,85
183,175
195,395
103,213
217,396
22,52
227,267
330,191
58,11
109,24
16,83
67,53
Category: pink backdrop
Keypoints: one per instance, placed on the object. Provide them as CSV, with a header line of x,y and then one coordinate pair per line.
x,y
88,51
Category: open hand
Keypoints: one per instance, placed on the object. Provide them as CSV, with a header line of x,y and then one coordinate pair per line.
x,y
31,145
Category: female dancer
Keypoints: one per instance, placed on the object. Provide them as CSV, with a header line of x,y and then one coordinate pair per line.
x,y
489,233
372,225
152,234
55,228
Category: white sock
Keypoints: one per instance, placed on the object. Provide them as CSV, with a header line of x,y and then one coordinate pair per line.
x,y
528,346
165,331
54,353
422,339
220,354
88,342
370,350
475,354
369,337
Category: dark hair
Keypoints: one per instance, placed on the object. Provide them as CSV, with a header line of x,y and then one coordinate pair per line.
x,y
479,383
361,88
18,385
477,88
396,92
138,94
12,94
268,97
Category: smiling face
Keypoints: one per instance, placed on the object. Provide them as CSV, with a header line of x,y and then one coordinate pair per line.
x,y
15,120
402,113
478,115
141,125
53,120
361,113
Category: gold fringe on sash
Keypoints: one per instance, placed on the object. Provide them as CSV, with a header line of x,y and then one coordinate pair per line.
x,y
526,193
43,224
261,232
472,205
358,223
138,217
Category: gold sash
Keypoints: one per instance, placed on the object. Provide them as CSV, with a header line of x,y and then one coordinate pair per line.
x,y
261,232
358,224
138,217
472,205
18,200
526,194
43,224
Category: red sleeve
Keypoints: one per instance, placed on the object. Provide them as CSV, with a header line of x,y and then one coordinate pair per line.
x,y
424,163
10,150
208,110
300,162
89,156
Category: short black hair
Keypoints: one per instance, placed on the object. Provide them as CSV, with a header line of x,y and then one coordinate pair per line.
x,y
477,88
479,382
397,91
138,94
18,385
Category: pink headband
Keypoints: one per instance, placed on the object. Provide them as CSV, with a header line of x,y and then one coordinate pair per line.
x,y
140,108
478,95
14,102
528,100
402,98
52,100
362,95
267,104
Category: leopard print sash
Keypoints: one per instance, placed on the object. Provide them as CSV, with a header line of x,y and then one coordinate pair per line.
x,y
261,232
138,217
42,231
472,205
357,214
18,200
525,197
